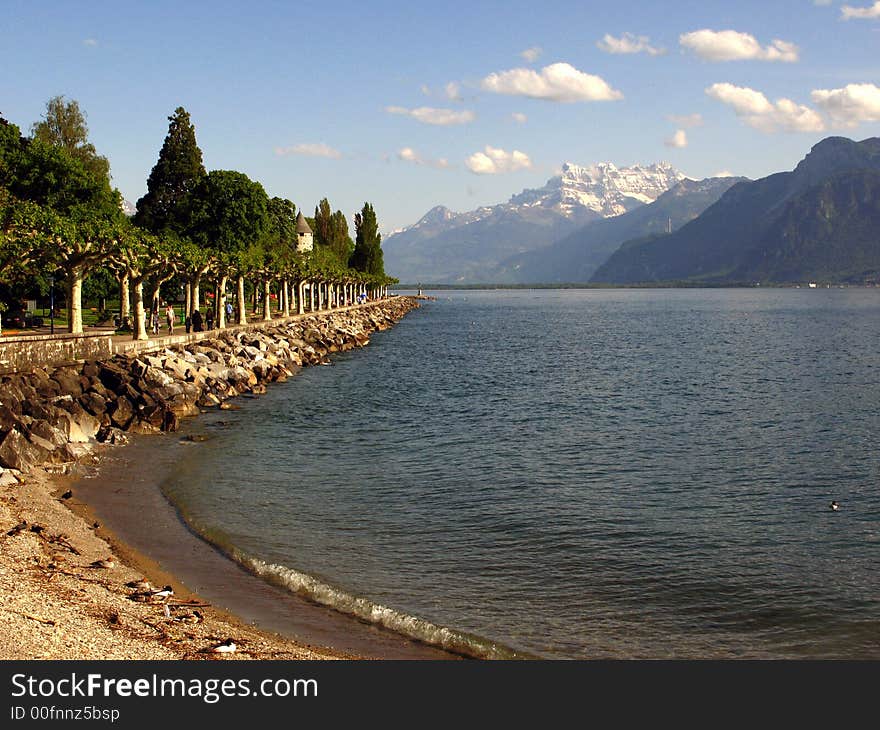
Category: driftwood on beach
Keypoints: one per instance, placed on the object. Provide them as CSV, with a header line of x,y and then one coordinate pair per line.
x,y
50,417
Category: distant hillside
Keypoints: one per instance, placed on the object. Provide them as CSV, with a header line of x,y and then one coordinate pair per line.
x,y
818,221
448,247
577,256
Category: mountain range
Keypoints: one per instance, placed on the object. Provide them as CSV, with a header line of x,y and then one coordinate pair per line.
x,y
820,221
642,225
470,247
576,257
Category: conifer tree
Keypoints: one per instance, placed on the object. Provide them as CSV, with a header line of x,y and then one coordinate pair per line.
x,y
367,254
174,176
322,231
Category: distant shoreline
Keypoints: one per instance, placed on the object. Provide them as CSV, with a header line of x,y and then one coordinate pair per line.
x,y
652,285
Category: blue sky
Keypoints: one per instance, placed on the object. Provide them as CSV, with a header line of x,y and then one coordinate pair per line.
x,y
352,100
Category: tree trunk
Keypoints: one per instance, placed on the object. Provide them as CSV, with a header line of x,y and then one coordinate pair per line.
x,y
74,301
267,300
285,297
220,302
187,301
300,297
196,292
242,303
124,300
139,326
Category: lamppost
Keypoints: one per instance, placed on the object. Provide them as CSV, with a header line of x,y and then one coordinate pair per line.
x,y
52,304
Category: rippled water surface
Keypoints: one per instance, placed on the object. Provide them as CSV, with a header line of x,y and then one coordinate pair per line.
x,y
640,473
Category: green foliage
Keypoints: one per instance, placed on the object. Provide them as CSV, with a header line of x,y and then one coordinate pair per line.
x,y
47,175
172,179
229,212
331,232
367,254
64,125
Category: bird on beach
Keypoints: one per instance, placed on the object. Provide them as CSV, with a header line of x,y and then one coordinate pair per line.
x,y
142,585
150,596
165,592
227,647
67,495
834,506
103,563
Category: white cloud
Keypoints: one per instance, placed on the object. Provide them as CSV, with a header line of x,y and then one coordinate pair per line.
x,y
531,55
556,82
312,150
686,120
628,43
724,173
493,161
679,139
90,42
452,91
848,12
730,45
408,154
757,111
852,104
429,115
519,117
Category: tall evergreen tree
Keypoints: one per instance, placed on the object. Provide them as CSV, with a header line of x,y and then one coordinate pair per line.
x,y
367,254
322,231
340,241
174,176
64,125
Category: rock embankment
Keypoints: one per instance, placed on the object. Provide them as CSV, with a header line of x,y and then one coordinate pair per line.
x,y
50,418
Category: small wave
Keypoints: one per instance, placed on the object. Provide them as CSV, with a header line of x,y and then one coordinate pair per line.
x,y
413,627
313,589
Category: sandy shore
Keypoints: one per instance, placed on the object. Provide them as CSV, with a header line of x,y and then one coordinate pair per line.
x,y
56,602
55,605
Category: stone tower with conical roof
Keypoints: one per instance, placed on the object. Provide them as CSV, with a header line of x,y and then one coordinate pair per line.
x,y
304,241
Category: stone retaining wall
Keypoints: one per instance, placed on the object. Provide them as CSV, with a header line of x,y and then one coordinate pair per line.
x,y
50,416
23,352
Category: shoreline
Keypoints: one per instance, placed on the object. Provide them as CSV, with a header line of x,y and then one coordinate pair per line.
x,y
56,605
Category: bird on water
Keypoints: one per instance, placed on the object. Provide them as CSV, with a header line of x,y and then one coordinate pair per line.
x,y
834,506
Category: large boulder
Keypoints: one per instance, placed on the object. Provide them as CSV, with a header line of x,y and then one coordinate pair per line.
x,y
16,452
93,403
47,431
121,412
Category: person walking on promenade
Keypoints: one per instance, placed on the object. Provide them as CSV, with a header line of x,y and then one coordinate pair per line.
x,y
209,318
169,316
155,321
229,312
196,320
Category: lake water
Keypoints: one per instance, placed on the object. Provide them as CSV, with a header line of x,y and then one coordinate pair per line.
x,y
574,474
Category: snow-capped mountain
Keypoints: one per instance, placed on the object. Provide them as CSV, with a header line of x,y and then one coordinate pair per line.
x,y
602,188
444,246
128,208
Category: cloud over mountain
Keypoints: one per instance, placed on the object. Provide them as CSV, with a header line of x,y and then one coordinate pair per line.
x,y
731,45
628,43
850,105
848,12
437,117
759,112
493,161
559,82
311,150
